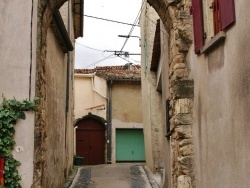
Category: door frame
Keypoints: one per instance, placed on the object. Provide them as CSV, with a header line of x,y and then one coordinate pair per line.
x,y
99,119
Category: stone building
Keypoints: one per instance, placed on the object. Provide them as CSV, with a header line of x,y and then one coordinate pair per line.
x,y
37,43
195,73
108,109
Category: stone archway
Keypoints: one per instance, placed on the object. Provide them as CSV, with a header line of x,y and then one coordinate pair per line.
x,y
175,15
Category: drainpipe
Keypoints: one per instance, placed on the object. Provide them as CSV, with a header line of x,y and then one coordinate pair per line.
x,y
67,95
68,63
2,161
75,140
109,117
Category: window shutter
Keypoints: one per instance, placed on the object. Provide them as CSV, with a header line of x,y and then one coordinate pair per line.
x,y
198,25
216,15
227,13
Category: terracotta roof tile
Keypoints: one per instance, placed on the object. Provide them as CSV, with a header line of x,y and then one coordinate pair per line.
x,y
127,71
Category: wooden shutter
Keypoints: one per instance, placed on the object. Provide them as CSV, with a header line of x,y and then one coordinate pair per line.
x,y
198,25
216,16
227,13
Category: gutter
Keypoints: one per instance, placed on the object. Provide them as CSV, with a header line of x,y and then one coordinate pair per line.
x,y
61,32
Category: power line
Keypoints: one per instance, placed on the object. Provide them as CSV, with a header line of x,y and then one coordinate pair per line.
x,y
104,19
125,59
99,61
155,24
89,47
136,20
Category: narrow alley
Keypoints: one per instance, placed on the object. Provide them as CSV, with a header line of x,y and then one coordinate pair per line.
x,y
122,175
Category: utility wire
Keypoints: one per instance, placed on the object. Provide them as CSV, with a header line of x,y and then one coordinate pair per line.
x,y
155,24
136,20
89,47
99,61
125,59
104,19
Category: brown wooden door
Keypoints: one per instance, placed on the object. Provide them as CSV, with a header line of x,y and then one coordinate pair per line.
x,y
90,139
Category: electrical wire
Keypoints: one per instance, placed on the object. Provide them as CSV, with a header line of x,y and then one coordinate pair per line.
x,y
155,24
99,61
104,19
136,20
89,47
135,60
125,59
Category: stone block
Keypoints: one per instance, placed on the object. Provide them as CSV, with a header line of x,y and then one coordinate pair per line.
x,y
183,105
179,74
185,142
186,163
183,131
183,89
183,119
186,150
184,181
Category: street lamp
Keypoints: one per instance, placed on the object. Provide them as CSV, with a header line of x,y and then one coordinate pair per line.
x,y
128,36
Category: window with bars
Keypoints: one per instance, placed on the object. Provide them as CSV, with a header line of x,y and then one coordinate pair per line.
x,y
222,14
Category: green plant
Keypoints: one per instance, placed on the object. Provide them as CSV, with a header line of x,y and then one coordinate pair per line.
x,y
10,111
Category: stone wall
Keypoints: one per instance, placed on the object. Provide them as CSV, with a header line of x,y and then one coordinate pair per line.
x,y
175,15
44,17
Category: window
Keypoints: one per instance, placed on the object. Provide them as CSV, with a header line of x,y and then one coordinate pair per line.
x,y
209,18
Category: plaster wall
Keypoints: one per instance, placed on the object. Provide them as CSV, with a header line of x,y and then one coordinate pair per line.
x,y
151,98
18,58
221,108
86,97
165,159
67,16
126,110
126,102
55,114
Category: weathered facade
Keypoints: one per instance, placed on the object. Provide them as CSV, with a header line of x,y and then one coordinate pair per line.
x,y
112,94
165,82
40,34
206,84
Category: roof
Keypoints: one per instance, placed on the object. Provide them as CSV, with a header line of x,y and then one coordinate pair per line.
x,y
128,71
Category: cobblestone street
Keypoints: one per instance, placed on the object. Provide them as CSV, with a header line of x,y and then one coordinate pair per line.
x,y
112,176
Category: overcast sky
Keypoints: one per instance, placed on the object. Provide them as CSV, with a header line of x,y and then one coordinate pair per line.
x,y
103,35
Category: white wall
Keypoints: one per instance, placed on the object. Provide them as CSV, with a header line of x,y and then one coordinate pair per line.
x,y
86,97
221,108
15,55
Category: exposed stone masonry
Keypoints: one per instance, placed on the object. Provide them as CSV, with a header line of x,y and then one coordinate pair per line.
x,y
175,15
44,17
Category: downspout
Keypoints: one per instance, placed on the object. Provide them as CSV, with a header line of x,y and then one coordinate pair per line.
x,y
68,63
75,140
108,117
67,95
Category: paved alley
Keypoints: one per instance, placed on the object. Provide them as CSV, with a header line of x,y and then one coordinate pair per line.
x,y
111,176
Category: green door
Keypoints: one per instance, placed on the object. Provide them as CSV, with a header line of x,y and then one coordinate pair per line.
x,y
130,145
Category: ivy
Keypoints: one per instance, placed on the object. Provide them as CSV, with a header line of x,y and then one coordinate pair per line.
x,y
10,111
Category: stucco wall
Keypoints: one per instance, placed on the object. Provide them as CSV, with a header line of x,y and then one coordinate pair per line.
x,y
165,159
221,108
151,98
126,109
56,107
17,54
86,97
